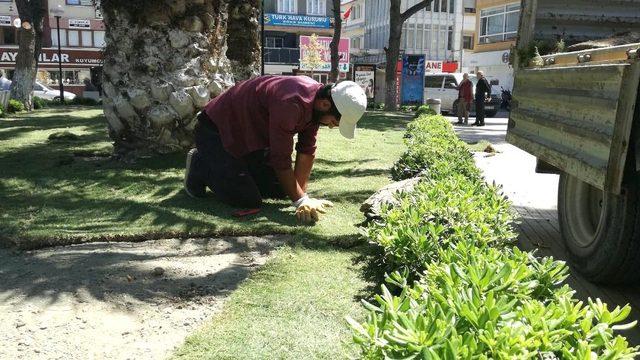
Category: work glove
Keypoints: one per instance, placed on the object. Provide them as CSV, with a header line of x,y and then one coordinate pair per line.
x,y
309,209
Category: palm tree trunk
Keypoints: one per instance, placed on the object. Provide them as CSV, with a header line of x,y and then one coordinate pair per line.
x,y
162,68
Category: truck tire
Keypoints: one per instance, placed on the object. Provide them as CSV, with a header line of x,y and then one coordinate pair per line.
x,y
601,231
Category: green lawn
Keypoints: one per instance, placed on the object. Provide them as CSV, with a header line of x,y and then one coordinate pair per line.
x,y
55,192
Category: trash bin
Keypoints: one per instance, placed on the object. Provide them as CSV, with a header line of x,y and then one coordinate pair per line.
x,y
434,104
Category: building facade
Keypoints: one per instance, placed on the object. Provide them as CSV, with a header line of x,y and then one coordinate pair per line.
x,y
285,22
497,29
434,31
353,26
82,35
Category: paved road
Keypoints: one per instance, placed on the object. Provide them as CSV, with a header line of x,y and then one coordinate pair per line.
x,y
534,197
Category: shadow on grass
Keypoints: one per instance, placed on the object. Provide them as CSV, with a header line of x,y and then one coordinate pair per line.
x,y
106,272
384,121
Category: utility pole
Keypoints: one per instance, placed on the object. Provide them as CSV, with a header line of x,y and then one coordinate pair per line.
x,y
461,36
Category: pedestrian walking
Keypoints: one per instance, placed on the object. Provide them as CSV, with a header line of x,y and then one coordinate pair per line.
x,y
465,97
483,94
245,139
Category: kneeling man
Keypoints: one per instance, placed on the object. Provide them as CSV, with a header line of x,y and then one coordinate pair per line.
x,y
245,139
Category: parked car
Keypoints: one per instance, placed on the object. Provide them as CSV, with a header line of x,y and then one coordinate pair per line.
x,y
40,90
444,87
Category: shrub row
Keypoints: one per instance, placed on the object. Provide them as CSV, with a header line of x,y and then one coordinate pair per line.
x,y
40,103
458,289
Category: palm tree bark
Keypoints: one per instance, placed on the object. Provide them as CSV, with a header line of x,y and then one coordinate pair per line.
x,y
335,42
162,68
29,48
396,19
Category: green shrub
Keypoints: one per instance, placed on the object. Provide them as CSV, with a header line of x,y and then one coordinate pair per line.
x,y
39,103
380,106
440,214
84,101
14,106
424,110
434,149
458,290
489,304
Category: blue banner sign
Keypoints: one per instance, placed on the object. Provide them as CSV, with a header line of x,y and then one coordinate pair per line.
x,y
412,79
297,20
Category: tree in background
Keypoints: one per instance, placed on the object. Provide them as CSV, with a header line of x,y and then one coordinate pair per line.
x,y
312,58
31,13
335,42
164,61
396,19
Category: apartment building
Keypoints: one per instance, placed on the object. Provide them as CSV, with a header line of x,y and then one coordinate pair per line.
x,y
285,21
353,26
82,36
497,29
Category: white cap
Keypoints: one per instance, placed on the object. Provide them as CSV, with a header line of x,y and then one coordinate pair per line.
x,y
351,102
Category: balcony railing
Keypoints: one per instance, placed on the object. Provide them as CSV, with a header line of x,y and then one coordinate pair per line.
x,y
281,55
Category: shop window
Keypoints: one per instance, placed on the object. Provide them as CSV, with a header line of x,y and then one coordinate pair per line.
x,y
87,39
69,77
8,36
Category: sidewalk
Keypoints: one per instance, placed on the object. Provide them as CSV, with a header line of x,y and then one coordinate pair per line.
x,y
534,197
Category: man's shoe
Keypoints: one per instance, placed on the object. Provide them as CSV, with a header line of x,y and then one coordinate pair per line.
x,y
193,185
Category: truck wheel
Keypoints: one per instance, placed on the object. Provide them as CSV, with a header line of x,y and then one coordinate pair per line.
x,y
600,230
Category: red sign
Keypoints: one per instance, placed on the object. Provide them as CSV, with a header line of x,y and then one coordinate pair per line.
x,y
49,57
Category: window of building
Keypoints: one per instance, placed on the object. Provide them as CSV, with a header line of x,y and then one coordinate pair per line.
x,y
63,37
444,6
356,43
316,7
452,6
499,23
274,42
436,5
450,38
467,42
80,2
419,36
98,39
69,77
411,37
469,6
87,39
287,6
74,38
356,12
8,35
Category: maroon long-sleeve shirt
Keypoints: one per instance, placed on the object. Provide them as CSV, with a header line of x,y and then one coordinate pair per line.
x,y
267,112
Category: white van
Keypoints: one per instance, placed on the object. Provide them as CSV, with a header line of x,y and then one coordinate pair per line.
x,y
445,87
